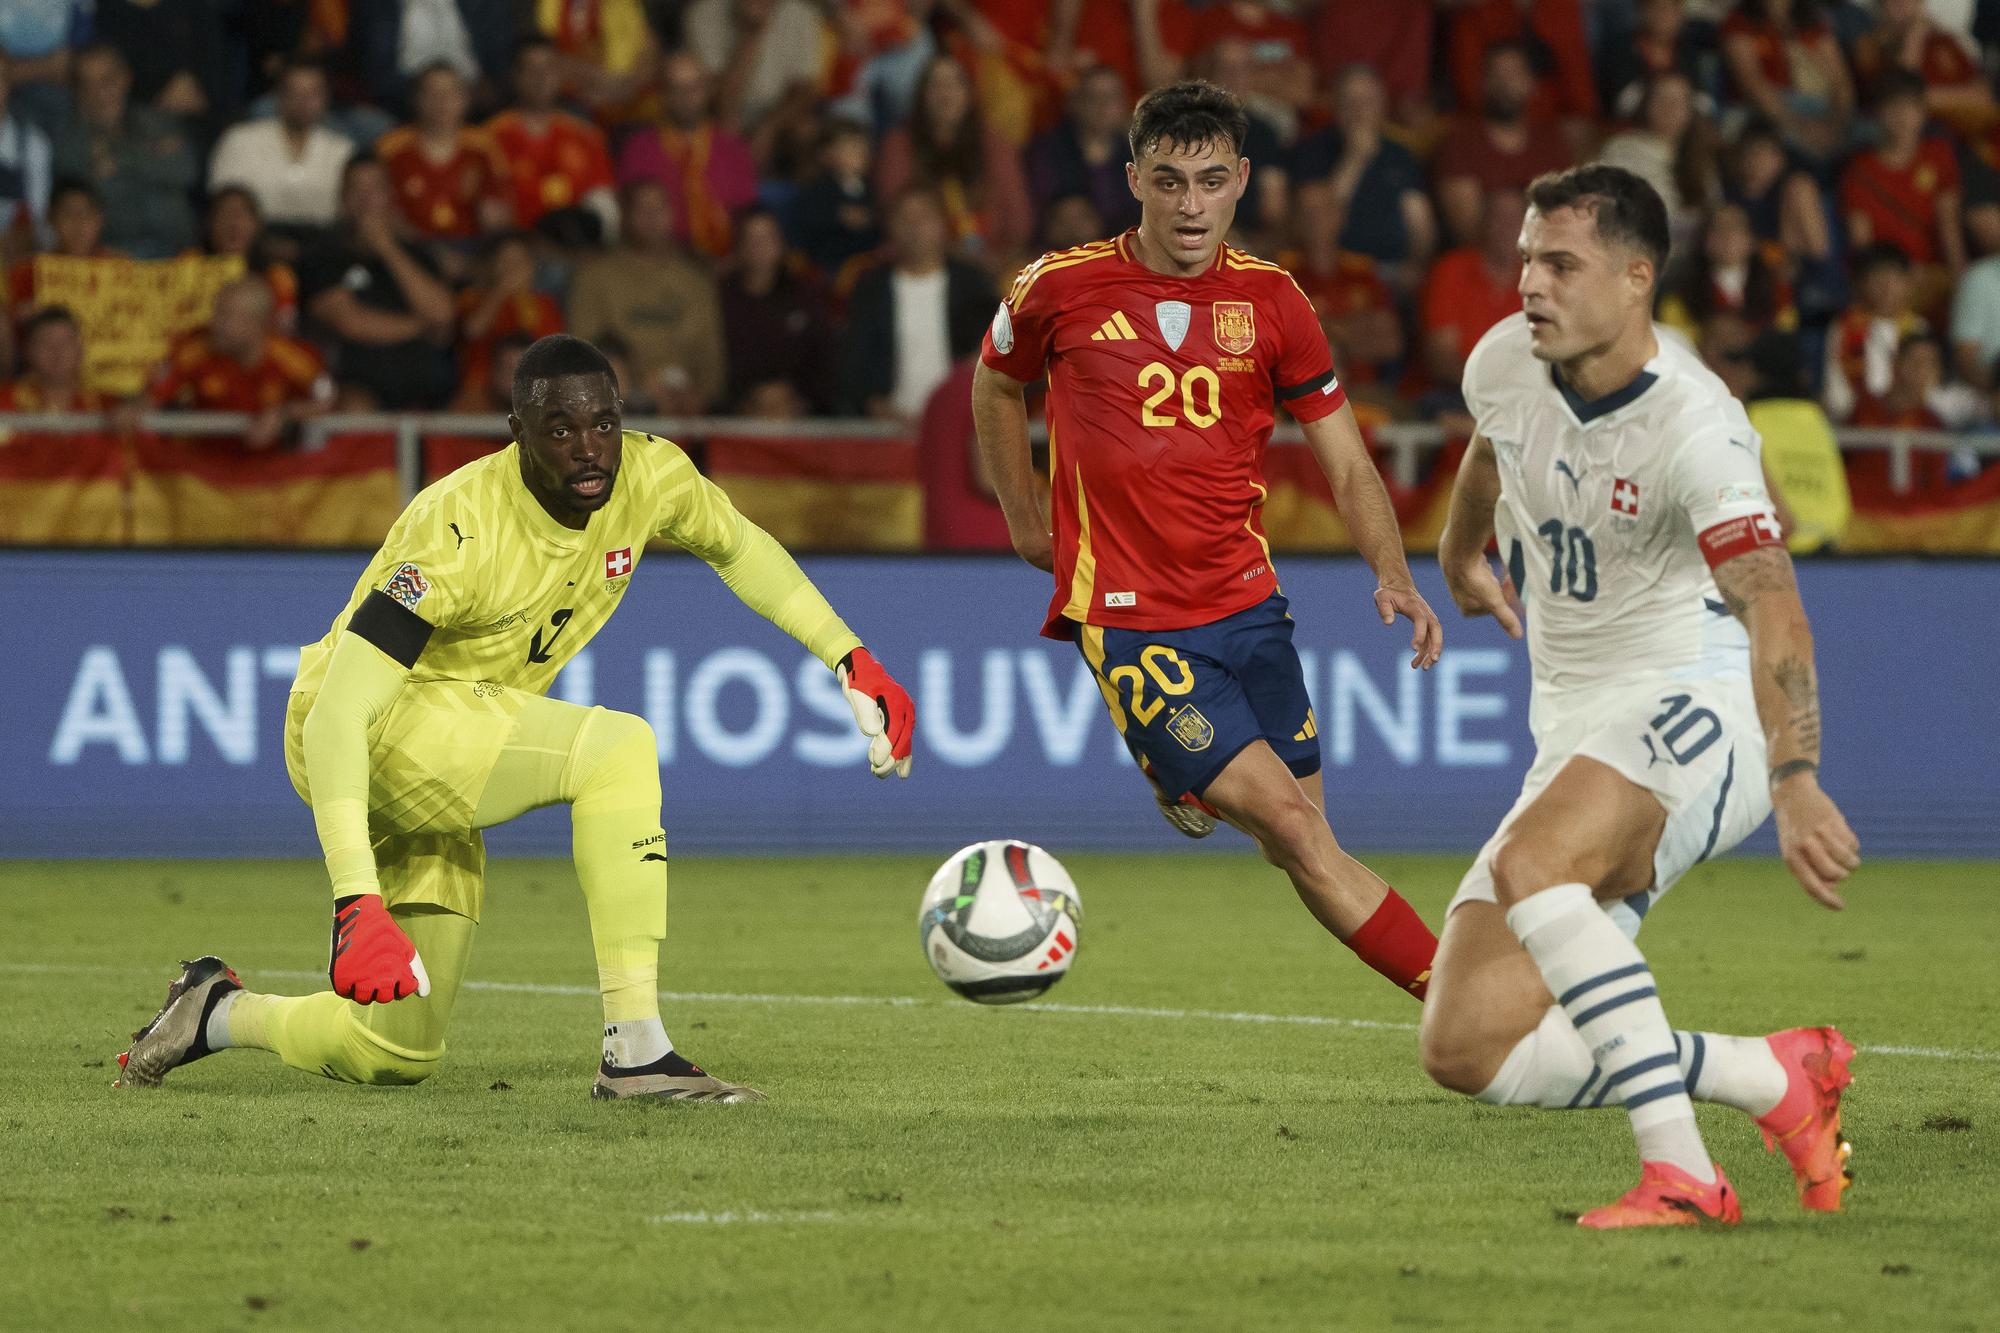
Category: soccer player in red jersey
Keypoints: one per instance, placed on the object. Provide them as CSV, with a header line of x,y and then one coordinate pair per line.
x,y
1167,352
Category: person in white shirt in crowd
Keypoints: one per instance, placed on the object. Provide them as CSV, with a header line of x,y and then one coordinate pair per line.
x,y
291,163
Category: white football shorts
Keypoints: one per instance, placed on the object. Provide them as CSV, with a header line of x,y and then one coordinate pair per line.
x,y
1697,745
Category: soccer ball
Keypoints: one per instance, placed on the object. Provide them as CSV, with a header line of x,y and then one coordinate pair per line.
x,y
999,922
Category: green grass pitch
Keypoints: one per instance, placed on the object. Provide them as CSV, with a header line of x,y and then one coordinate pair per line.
x,y
1146,1153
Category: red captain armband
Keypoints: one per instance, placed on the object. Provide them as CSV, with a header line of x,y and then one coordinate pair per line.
x,y
1740,536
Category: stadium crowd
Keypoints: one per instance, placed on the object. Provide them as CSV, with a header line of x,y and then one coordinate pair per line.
x,y
786,208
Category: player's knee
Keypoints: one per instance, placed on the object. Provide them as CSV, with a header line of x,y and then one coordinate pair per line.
x,y
1520,870
616,750
1291,833
1451,1061
366,1059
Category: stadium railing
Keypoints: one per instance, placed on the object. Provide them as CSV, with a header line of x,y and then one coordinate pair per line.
x,y
1405,443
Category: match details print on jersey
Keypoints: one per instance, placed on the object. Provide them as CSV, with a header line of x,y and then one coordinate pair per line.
x,y
1162,395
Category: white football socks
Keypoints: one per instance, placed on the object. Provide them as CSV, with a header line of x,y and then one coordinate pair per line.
x,y
216,1031
1551,1067
635,1043
1601,980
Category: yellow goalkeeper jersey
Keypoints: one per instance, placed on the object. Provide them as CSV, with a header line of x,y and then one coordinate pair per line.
x,y
512,595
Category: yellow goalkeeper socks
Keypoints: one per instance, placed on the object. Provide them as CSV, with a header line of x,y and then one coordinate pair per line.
x,y
613,781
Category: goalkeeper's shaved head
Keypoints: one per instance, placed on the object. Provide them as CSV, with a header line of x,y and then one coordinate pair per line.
x,y
558,356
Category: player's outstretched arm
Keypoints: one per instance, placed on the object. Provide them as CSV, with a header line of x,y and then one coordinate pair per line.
x,y
1000,417
1336,442
1468,527
371,960
1759,589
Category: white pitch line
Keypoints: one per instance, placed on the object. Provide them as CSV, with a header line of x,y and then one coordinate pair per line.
x,y
911,1001
731,1217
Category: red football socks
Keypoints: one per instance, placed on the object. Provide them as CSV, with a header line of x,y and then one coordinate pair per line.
x,y
1396,942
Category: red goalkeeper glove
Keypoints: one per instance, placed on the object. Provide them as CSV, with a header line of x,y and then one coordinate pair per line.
x,y
883,711
373,961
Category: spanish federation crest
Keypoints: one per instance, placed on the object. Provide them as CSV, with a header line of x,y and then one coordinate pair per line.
x,y
1235,326
1191,729
1173,318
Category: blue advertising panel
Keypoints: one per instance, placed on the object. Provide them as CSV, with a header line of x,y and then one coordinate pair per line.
x,y
148,690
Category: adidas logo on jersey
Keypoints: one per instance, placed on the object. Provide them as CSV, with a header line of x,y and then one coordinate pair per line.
x,y
1115,329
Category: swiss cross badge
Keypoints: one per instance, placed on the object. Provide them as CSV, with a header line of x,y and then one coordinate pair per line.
x,y
618,563
1625,497
1767,527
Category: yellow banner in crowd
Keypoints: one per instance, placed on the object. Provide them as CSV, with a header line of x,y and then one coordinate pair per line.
x,y
131,310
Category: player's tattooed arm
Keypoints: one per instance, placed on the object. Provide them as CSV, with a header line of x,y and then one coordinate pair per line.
x,y
1759,589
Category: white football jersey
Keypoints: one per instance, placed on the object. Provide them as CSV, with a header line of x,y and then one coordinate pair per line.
x,y
1607,509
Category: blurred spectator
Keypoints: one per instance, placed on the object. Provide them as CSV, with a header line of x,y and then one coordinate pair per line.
x,y
1787,209
1085,152
884,47
1942,61
492,389
780,349
1471,289
394,41
1801,461
449,177
1394,41
1917,399
1146,41
1072,221
658,302
26,172
233,227
177,55
705,169
1906,190
1672,149
1262,213
947,148
241,363
1355,306
76,225
1785,63
608,56
558,160
40,38
139,161
1975,307
1729,271
291,163
913,316
502,301
764,55
1375,183
1500,149
1551,31
378,300
834,215
1664,42
1861,345
1277,75
51,378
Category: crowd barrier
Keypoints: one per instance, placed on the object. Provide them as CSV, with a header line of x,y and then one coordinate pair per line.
x,y
147,692
68,479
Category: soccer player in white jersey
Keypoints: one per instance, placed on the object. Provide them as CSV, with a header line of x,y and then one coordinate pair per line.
x,y
1674,705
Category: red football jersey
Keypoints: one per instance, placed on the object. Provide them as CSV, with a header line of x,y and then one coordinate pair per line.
x,y
551,170
443,198
1162,394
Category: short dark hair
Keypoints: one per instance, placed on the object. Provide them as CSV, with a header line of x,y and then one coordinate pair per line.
x,y
1188,114
534,41
41,319
1627,209
559,356
1896,84
70,185
1880,254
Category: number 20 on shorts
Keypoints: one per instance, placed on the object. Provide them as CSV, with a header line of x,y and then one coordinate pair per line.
x,y
1159,661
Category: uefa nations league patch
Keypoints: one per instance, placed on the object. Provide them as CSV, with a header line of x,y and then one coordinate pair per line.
x,y
408,586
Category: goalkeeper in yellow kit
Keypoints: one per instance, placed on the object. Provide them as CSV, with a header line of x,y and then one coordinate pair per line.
x,y
421,719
